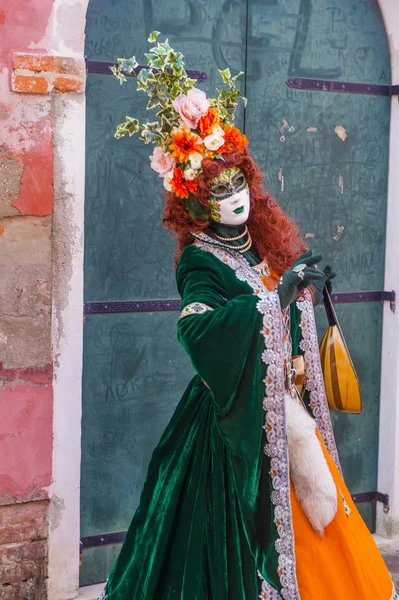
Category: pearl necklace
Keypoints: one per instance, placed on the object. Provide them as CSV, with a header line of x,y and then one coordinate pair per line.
x,y
231,239
242,249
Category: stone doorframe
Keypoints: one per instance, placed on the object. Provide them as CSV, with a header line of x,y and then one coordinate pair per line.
x,y
68,18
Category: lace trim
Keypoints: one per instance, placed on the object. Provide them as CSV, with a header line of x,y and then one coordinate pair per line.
x,y
273,404
267,592
195,308
314,381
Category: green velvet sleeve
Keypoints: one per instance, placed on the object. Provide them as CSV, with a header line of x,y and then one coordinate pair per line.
x,y
218,341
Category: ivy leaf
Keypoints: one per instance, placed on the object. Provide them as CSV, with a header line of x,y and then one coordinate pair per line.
x,y
171,58
118,74
144,76
223,95
238,75
120,131
178,71
132,126
225,74
153,36
153,102
127,64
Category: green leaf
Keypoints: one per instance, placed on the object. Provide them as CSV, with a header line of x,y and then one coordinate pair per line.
x,y
128,64
171,58
238,75
153,102
174,90
178,71
219,156
195,209
132,126
153,36
120,131
120,76
225,74
144,76
223,95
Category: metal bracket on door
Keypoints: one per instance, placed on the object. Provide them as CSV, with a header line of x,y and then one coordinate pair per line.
x,y
103,67
106,539
372,497
377,296
344,87
134,306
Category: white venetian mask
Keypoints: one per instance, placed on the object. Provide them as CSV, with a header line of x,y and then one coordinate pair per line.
x,y
229,198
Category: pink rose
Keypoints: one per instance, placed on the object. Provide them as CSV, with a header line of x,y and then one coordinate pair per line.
x,y
191,107
162,162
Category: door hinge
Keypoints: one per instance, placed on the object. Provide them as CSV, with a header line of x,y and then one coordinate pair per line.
x,y
344,87
372,497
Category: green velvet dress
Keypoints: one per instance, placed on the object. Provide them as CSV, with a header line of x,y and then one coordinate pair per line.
x,y
214,520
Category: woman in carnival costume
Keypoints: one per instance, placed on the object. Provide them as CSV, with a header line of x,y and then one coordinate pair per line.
x,y
244,497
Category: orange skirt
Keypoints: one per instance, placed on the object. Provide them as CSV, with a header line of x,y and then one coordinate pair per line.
x,y
344,564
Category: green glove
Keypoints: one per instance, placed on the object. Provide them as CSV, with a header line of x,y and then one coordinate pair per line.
x,y
328,274
299,276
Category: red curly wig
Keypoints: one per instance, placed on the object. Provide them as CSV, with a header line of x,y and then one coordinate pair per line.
x,y
275,236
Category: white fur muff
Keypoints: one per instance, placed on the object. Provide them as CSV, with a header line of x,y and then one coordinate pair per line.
x,y
313,483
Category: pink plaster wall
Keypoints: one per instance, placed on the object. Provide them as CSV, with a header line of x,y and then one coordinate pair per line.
x,y
36,192
26,135
21,23
25,441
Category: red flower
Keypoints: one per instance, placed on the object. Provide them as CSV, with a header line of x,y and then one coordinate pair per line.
x,y
184,143
182,187
233,139
208,122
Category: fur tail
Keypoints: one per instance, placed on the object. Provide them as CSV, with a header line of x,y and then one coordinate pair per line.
x,y
311,477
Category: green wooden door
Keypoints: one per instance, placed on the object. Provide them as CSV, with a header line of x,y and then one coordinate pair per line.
x,y
134,369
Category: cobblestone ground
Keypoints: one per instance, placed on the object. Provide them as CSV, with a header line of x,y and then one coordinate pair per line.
x,y
390,554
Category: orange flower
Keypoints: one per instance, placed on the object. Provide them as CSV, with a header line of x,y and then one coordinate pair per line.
x,y
184,143
208,122
182,187
233,139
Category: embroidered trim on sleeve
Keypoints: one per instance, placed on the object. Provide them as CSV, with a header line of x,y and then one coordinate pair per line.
x,y
195,308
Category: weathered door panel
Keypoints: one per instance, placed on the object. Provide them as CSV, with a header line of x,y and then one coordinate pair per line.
x,y
134,369
325,157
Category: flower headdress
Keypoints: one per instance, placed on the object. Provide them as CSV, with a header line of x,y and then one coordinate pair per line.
x,y
189,126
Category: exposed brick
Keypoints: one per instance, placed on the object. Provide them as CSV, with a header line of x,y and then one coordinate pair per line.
x,y
19,562
18,533
30,84
40,375
23,551
66,84
48,63
27,512
70,66
25,590
35,62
